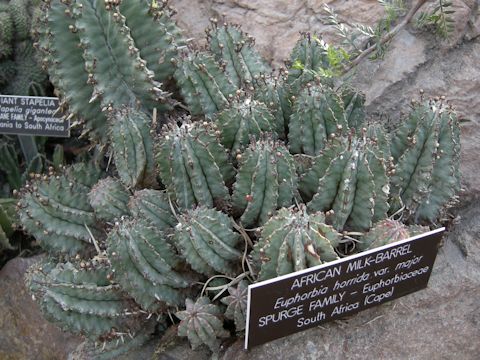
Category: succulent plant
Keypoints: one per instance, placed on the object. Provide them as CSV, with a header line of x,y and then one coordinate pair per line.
x,y
193,165
10,165
317,114
80,298
307,58
109,199
204,85
266,180
349,177
294,240
155,34
132,147
236,303
353,103
260,175
201,322
112,348
144,265
86,45
242,120
57,212
272,90
153,206
234,50
206,240
388,231
426,151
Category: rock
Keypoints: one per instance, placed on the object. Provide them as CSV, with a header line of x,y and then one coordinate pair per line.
x,y
440,322
25,333
275,24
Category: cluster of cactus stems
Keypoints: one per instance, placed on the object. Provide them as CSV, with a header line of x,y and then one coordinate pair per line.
x,y
264,176
101,55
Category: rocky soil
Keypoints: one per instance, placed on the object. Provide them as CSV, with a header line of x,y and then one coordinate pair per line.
x,y
441,322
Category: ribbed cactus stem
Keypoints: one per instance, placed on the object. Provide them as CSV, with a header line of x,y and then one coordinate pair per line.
x,y
317,114
202,323
233,48
194,166
426,151
388,231
206,239
109,199
294,240
243,120
145,265
266,181
132,147
348,177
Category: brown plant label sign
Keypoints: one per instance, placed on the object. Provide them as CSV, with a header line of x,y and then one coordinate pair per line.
x,y
32,115
298,301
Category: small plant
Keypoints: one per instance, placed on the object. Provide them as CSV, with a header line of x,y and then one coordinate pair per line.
x,y
439,18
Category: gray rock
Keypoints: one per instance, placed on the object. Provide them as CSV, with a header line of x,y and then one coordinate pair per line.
x,y
25,334
275,24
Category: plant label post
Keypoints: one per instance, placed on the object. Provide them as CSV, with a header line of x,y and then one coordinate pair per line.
x,y
32,115
298,301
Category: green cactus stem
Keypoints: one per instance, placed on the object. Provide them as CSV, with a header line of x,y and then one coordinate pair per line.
x,y
236,303
272,91
6,33
388,231
266,181
234,49
294,240
118,73
7,222
132,147
354,106
426,151
317,114
59,42
194,166
109,199
204,85
202,323
155,34
308,58
145,265
243,120
349,177
20,14
204,237
80,298
153,206
10,165
57,212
